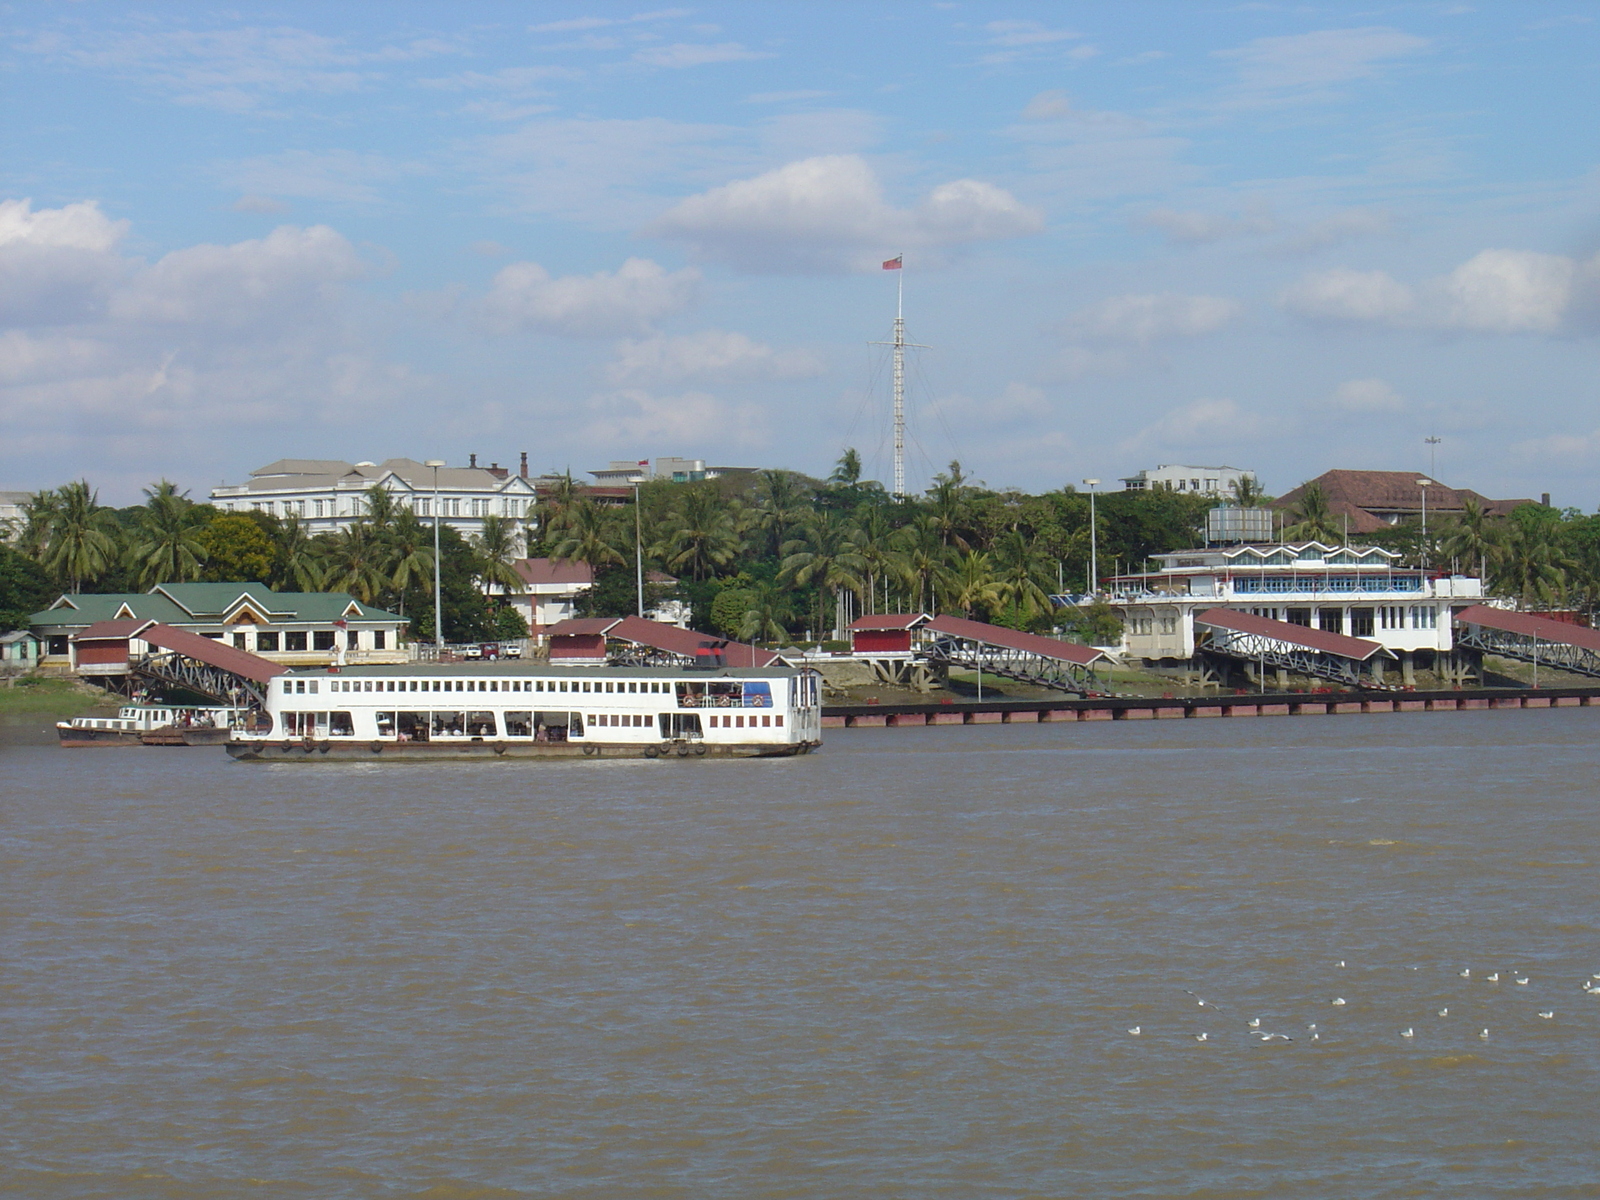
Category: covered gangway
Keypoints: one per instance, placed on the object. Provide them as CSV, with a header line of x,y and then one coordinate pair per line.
x,y
635,641
1026,657
203,665
1298,648
1528,637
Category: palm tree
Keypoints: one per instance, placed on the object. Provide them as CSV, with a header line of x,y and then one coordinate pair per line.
x,y
922,556
497,550
355,563
383,510
948,496
554,508
970,584
1473,537
875,543
700,534
824,556
38,515
767,617
167,546
410,554
298,556
1533,566
590,536
1019,574
782,501
847,471
1248,492
83,543
1313,518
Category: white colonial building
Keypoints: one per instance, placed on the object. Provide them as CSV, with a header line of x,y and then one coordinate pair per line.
x,y
1206,481
1352,591
328,495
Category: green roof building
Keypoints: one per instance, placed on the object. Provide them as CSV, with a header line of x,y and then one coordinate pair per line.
x,y
301,629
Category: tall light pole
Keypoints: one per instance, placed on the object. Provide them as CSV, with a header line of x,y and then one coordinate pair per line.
x,y
1094,541
638,547
1423,484
438,586
1433,454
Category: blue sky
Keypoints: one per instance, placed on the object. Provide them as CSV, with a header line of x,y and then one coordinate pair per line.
x,y
1287,237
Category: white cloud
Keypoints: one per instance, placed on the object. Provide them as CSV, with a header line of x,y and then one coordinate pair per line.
x,y
1142,319
1017,401
1306,65
1341,294
80,226
340,176
687,54
1367,396
1018,40
580,24
1510,291
628,300
1495,291
829,213
259,204
241,285
1201,424
56,264
1342,227
709,354
784,97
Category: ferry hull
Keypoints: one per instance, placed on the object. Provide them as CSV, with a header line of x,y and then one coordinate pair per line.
x,y
75,739
320,751
78,738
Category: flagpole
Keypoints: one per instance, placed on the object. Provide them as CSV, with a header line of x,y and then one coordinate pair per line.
x,y
900,382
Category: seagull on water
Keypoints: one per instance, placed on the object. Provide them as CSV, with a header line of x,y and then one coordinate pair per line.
x,y
1465,973
1136,1030
1444,1012
1254,1022
1200,1037
1341,962
1521,981
1484,1034
1495,978
1312,1027
1408,1032
1338,1001
1548,1016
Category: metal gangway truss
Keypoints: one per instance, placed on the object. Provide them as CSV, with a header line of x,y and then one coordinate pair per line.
x,y
1527,637
1026,657
1315,653
203,666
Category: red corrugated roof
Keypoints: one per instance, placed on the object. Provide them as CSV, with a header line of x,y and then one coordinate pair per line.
x,y
675,640
213,653
1530,625
887,621
1319,640
578,626
1027,643
111,630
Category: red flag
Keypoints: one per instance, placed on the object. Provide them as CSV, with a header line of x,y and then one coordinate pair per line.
x,y
895,263
644,462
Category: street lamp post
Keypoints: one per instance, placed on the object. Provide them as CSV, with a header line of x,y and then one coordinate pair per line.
x,y
1423,484
1094,541
638,549
438,586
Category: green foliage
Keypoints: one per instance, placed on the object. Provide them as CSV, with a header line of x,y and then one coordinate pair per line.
x,y
466,611
236,548
1094,624
729,608
509,625
25,588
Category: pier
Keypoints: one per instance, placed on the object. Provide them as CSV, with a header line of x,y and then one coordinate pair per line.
x,y
1256,704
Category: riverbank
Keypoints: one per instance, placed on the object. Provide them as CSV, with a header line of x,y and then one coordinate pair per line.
x,y
48,696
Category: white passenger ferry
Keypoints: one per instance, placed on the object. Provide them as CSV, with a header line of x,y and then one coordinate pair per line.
x,y
522,710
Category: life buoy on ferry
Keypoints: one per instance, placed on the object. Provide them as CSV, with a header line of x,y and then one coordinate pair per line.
x,y
376,747
498,747
308,745
683,751
700,750
588,750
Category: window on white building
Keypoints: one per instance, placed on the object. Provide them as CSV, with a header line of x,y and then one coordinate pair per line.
x,y
424,506
316,507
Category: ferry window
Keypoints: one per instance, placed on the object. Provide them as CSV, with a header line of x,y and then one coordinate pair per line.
x,y
519,724
480,724
739,721
447,724
340,724
322,639
390,686
649,720
633,686
609,685
586,685
312,686
766,720
576,727
778,720
412,726
288,686
385,724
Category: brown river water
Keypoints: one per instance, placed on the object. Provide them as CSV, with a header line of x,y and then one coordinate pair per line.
x,y
903,967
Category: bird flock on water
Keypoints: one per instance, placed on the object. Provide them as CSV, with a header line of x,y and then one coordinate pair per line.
x,y
1409,1034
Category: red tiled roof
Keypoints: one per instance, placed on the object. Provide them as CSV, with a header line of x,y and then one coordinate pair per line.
x,y
1010,639
887,621
1319,640
1530,625
1389,491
